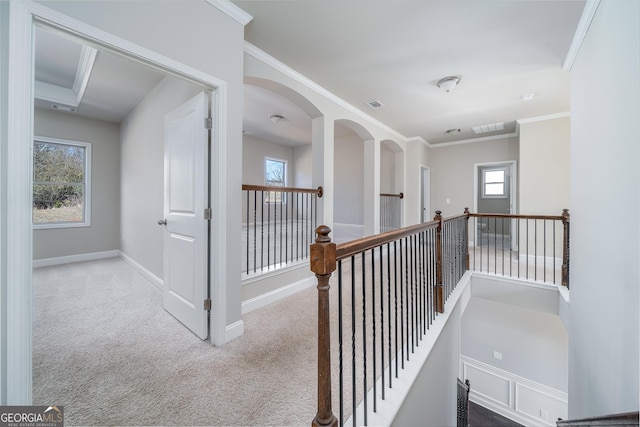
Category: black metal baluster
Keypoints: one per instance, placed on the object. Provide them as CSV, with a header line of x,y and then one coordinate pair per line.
x,y
340,351
373,323
353,339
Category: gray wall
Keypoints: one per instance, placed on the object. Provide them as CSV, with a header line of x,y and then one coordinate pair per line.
x,y
142,186
605,250
349,180
452,170
254,151
103,234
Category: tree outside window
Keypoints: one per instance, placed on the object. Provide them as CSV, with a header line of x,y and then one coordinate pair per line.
x,y
275,176
61,183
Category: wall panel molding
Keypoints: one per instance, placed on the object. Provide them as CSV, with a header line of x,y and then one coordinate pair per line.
x,y
517,398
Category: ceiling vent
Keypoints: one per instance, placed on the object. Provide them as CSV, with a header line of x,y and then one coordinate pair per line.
x,y
493,127
375,104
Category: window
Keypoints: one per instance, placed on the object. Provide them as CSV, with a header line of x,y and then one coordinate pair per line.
x,y
61,183
494,183
275,176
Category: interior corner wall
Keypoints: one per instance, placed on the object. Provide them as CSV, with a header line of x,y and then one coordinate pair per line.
x,y
452,170
387,170
544,167
103,233
605,201
142,173
349,179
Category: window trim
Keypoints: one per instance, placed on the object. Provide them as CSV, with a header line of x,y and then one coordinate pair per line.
x,y
505,182
284,184
87,185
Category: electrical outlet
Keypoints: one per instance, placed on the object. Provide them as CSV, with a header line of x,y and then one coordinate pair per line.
x,y
448,201
544,414
497,355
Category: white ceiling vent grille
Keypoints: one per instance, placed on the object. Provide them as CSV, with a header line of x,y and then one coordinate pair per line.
x,y
375,104
492,127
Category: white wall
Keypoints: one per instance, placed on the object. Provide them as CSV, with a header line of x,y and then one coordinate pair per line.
x,y
605,254
103,233
452,170
142,134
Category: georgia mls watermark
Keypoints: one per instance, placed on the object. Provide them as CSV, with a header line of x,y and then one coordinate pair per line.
x,y
31,416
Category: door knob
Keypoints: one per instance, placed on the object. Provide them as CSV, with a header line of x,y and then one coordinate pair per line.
x,y
162,222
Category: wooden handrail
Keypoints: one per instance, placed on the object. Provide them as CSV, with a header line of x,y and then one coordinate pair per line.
x,y
317,191
515,216
400,195
624,419
345,250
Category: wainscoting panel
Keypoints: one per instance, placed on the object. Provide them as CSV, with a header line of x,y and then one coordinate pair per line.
x,y
519,399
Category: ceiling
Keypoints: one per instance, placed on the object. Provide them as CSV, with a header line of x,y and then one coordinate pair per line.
x,y
92,83
360,50
396,51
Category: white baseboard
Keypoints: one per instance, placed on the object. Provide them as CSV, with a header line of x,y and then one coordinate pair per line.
x,y
46,262
519,399
277,294
157,282
233,331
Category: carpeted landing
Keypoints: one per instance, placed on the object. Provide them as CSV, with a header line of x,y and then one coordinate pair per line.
x,y
104,347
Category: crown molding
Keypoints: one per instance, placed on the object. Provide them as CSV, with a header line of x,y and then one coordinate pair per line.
x,y
310,84
231,10
472,140
543,118
588,13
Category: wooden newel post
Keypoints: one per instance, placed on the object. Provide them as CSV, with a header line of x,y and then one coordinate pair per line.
x,y
565,247
466,239
439,299
323,263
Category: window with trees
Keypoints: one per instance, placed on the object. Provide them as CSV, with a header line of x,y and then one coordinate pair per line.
x,y
275,176
61,183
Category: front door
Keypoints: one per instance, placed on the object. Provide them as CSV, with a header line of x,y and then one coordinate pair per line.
x,y
186,174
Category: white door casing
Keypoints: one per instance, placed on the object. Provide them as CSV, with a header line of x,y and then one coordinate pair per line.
x,y
186,170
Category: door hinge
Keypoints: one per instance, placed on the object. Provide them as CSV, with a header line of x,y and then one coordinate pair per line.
x,y
207,304
208,123
207,214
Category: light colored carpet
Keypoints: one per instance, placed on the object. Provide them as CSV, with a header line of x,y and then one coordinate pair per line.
x,y
105,349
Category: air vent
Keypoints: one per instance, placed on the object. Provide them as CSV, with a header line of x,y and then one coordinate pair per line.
x,y
375,104
493,127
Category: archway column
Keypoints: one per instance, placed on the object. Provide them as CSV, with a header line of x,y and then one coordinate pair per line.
x,y
322,138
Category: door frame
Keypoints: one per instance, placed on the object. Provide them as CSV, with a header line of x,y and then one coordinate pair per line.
x,y
23,15
513,175
425,194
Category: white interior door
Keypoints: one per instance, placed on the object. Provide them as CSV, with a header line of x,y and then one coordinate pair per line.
x,y
185,200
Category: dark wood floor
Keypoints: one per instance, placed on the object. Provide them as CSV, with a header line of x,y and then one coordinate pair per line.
x,y
482,417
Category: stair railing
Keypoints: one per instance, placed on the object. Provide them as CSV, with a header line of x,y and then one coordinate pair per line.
x,y
390,288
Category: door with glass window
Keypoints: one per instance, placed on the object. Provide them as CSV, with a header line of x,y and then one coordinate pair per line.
x,y
495,196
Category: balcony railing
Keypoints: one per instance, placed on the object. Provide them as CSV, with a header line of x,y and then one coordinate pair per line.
x,y
389,289
530,247
390,211
278,226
